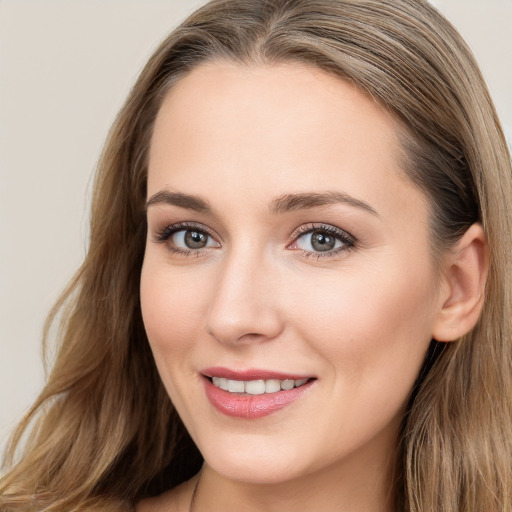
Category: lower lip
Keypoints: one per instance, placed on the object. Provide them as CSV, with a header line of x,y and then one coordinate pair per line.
x,y
251,406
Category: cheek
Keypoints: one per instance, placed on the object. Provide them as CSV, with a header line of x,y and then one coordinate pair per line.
x,y
373,327
373,330
170,309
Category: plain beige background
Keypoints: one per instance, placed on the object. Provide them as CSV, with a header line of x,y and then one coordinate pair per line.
x,y
65,69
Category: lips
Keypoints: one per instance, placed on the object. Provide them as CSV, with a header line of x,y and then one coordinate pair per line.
x,y
253,393
258,386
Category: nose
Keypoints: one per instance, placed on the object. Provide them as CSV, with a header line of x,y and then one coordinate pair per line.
x,y
244,307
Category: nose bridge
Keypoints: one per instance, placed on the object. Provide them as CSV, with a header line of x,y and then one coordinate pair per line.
x,y
243,305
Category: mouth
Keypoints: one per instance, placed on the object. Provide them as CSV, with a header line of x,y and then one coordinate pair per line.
x,y
258,386
254,393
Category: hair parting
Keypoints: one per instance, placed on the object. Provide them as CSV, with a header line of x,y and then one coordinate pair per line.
x,y
103,432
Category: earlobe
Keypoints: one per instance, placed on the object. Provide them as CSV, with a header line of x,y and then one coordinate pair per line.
x,y
464,278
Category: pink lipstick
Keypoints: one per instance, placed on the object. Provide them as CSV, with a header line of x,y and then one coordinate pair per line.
x,y
252,394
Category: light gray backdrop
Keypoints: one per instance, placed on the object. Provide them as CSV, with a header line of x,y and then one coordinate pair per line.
x,y
65,68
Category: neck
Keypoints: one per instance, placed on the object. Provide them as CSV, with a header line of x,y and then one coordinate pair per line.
x,y
331,489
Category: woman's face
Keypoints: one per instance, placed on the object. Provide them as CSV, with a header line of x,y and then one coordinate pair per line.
x,y
285,249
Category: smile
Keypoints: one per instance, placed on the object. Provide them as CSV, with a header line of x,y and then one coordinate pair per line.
x,y
257,387
253,394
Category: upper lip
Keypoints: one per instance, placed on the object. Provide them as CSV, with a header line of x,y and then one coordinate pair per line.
x,y
251,374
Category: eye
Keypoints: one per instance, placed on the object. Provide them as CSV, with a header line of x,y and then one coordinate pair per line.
x,y
182,238
318,241
191,239
322,240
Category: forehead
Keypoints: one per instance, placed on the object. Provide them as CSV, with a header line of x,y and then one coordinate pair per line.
x,y
280,105
271,129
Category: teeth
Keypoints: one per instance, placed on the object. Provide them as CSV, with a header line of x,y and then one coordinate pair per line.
x,y
288,384
221,383
256,387
236,386
272,386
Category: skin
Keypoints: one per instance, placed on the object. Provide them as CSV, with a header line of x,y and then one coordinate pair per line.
x,y
259,296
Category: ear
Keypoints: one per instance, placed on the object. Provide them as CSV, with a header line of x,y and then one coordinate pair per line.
x,y
462,289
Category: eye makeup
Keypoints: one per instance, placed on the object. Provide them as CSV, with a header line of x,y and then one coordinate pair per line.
x,y
317,240
324,240
186,238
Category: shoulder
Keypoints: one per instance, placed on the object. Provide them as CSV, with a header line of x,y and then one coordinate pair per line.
x,y
175,500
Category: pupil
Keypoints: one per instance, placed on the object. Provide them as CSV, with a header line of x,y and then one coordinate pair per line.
x,y
322,241
195,239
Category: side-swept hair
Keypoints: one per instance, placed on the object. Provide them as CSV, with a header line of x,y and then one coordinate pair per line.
x,y
103,432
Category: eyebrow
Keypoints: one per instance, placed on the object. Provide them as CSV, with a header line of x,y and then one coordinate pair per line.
x,y
282,204
182,200
291,202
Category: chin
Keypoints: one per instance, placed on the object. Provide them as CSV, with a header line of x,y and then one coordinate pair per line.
x,y
258,464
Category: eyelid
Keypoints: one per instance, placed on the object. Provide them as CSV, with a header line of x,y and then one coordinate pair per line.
x,y
348,240
163,235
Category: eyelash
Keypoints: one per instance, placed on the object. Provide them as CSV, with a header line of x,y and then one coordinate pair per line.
x,y
348,241
164,235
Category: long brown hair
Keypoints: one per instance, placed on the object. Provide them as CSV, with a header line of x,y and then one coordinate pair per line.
x,y
103,433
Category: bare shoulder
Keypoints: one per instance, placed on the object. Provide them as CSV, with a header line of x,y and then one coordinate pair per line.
x,y
175,500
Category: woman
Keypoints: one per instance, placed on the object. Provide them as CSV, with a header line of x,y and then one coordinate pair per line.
x,y
297,292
